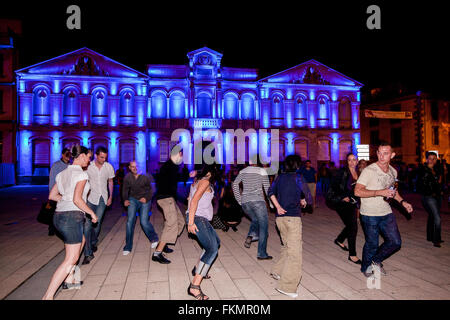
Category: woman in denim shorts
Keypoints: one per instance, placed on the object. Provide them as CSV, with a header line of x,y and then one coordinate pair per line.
x,y
70,192
200,213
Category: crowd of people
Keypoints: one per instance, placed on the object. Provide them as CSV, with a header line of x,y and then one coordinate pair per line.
x,y
81,191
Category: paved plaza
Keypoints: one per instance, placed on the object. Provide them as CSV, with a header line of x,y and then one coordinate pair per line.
x,y
28,258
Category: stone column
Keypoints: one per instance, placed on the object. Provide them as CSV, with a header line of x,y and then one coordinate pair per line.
x,y
85,107
289,113
140,103
56,109
25,108
355,115
312,114
334,109
113,111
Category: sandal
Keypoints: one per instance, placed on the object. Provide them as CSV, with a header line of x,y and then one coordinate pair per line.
x,y
200,296
205,277
70,286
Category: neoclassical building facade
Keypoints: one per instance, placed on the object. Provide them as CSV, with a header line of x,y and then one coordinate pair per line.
x,y
87,98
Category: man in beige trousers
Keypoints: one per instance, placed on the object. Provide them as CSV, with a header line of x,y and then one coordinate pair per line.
x,y
166,198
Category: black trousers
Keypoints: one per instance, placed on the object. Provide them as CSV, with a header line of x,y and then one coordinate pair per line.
x,y
347,212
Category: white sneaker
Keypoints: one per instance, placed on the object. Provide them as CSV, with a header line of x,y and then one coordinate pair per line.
x,y
154,244
126,252
290,294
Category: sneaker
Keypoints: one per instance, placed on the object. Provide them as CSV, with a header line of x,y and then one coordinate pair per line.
x,y
126,252
369,271
378,267
154,244
275,276
248,242
290,294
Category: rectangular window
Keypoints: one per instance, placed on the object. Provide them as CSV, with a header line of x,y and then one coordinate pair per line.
x,y
374,137
435,136
163,150
396,137
301,149
434,111
127,152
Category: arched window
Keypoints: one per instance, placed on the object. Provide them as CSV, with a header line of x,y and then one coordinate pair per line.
x,y
159,105
126,152
98,142
277,110
323,150
177,110
323,112
41,157
204,104
248,107
301,148
41,105
345,113
127,112
71,106
345,146
230,105
99,107
300,112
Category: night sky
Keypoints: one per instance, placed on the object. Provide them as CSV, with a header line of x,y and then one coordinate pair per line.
x,y
268,35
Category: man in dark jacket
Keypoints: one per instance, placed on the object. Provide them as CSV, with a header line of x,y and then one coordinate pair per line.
x,y
166,198
137,195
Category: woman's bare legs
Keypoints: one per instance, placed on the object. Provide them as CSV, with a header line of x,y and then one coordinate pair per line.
x,y
71,258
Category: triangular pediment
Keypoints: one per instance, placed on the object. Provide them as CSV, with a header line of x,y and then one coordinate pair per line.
x,y
82,62
204,57
312,72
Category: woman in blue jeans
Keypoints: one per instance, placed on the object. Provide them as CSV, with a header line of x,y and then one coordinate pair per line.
x,y
200,213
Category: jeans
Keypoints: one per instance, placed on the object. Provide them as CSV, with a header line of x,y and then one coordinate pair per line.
x,y
257,211
347,212
432,205
147,227
210,242
373,227
92,230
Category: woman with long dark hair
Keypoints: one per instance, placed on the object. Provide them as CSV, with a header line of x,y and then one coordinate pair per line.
x,y
341,195
70,191
200,213
429,187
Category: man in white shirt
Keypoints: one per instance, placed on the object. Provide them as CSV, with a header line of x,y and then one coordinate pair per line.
x,y
375,182
101,174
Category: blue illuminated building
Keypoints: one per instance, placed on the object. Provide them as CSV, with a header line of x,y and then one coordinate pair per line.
x,y
88,98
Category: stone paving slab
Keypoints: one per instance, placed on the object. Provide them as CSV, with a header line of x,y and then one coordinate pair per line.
x,y
417,271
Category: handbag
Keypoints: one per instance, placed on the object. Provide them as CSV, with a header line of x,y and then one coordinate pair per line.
x,y
46,213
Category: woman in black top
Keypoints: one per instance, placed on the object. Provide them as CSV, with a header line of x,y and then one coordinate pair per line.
x,y
343,200
430,188
230,212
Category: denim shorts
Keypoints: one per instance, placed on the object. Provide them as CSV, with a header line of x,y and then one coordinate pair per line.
x,y
70,224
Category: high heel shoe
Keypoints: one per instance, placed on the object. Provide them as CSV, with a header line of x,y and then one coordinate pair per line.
x,y
200,296
205,277
355,262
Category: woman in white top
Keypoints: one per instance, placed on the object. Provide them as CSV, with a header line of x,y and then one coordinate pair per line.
x,y
70,191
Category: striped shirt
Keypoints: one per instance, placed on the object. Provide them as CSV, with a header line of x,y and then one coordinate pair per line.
x,y
253,179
